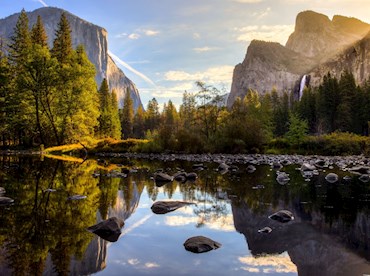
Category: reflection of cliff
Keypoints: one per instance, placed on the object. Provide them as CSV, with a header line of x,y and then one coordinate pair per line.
x,y
94,258
124,209
313,252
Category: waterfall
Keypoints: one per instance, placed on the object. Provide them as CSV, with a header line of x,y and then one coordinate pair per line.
x,y
302,86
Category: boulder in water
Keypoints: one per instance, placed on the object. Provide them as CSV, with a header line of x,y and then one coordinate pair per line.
x,y
191,176
164,207
200,244
282,178
331,177
251,169
364,178
180,177
223,168
282,216
109,229
307,167
2,191
265,230
77,197
162,177
6,200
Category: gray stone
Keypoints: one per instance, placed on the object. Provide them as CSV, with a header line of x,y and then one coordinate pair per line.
x,y
164,207
6,200
331,177
109,229
265,230
282,216
200,244
162,177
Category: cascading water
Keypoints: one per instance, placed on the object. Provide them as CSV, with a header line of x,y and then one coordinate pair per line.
x,y
302,86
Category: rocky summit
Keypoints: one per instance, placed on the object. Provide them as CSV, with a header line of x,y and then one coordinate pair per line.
x,y
95,41
317,46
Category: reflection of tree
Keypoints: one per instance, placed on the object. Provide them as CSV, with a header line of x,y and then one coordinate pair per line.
x,y
108,196
41,221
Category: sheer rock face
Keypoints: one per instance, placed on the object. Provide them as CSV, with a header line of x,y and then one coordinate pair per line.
x,y
94,39
317,46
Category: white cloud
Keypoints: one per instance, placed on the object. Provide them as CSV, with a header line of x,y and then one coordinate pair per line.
x,y
262,14
196,35
150,32
204,49
133,36
121,35
124,64
151,265
217,74
276,33
133,261
42,3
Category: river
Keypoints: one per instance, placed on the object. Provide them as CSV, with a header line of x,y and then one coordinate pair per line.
x,y
45,233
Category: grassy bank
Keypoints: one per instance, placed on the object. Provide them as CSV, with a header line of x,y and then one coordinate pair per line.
x,y
96,146
336,143
330,144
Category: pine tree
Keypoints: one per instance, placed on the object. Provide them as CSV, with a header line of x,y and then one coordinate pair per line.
x,y
327,104
152,118
20,41
139,123
38,33
116,130
5,86
62,46
104,118
127,116
19,53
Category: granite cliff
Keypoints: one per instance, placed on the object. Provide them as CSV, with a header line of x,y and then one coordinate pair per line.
x,y
94,39
317,46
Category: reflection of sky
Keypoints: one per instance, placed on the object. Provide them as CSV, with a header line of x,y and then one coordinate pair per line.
x,y
153,245
268,264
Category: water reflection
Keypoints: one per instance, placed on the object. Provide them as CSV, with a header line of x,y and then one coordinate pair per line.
x,y
44,233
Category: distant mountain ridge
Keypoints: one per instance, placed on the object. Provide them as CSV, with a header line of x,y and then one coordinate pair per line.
x,y
94,39
317,46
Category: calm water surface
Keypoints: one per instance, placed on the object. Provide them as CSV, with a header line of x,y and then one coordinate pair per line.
x,y
43,233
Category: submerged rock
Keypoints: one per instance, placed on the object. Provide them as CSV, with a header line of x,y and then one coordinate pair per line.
x,y
191,176
200,244
162,177
307,167
282,216
332,178
223,168
265,230
109,229
251,169
5,200
282,178
164,207
77,197
360,169
364,178
180,177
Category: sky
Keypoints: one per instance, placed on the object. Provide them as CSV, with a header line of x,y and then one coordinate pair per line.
x,y
165,46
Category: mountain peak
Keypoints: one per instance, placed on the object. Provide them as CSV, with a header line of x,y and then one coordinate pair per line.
x,y
310,21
